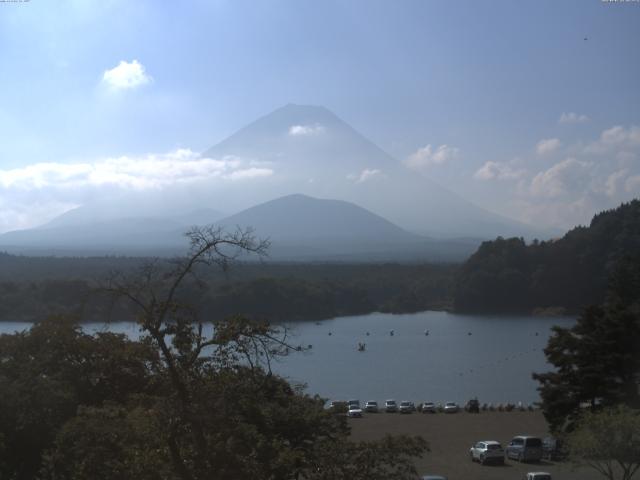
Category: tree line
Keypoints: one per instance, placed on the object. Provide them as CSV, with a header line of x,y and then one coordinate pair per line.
x,y
280,292
565,275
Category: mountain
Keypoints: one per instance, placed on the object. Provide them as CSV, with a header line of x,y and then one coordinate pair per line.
x,y
567,274
89,230
301,227
302,218
295,150
313,151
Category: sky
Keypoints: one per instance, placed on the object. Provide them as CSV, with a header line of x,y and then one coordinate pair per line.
x,y
528,109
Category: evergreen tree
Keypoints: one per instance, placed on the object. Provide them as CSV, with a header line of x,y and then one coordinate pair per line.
x,y
597,360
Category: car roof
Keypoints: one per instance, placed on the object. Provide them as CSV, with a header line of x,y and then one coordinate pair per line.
x,y
490,442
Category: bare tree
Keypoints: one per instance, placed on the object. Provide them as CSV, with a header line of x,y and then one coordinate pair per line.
x,y
186,350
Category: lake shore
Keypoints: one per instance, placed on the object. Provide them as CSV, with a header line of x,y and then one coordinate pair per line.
x,y
451,435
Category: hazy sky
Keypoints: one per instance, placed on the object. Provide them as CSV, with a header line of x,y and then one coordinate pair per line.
x,y
530,109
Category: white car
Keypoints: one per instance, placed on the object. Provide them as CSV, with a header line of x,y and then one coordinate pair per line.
x,y
451,407
487,451
538,476
390,406
354,411
371,406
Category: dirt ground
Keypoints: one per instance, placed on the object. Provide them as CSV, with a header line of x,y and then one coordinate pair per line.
x,y
451,435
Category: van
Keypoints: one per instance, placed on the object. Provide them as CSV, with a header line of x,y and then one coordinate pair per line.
x,y
525,448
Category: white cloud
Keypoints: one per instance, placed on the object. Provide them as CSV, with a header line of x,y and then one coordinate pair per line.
x,y
137,173
547,145
126,75
497,171
611,184
632,185
365,175
562,178
305,130
35,193
572,117
615,138
426,157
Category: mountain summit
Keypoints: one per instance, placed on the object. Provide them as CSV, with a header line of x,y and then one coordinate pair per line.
x,y
312,151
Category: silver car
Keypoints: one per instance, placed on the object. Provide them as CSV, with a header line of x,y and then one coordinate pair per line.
x,y
407,407
451,407
525,448
487,451
371,406
428,407
391,406
354,411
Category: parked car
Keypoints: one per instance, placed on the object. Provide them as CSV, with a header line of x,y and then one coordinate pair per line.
x,y
354,411
428,407
451,407
473,406
525,449
537,476
487,451
552,448
407,407
371,406
390,406
353,402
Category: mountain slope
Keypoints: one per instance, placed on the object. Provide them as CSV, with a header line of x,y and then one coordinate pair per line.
x,y
89,230
305,228
314,152
300,217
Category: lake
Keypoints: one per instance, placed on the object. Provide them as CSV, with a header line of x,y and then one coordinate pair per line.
x,y
488,356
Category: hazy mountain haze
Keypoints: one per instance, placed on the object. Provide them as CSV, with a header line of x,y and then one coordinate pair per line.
x,y
294,149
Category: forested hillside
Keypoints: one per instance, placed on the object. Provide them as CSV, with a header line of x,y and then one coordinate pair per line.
x,y
507,275
31,288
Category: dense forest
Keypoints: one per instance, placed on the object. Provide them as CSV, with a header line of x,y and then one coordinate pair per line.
x,y
33,287
564,275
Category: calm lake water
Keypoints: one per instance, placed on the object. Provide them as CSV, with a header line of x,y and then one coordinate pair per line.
x,y
488,356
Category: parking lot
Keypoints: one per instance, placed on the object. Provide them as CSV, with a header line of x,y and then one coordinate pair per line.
x,y
451,435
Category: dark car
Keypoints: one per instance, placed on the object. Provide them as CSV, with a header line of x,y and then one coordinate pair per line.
x,y
552,448
525,449
473,406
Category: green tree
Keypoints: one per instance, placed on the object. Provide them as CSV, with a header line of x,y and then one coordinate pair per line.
x,y
46,373
608,441
597,361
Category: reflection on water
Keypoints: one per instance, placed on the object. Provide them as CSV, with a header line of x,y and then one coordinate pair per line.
x,y
434,356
